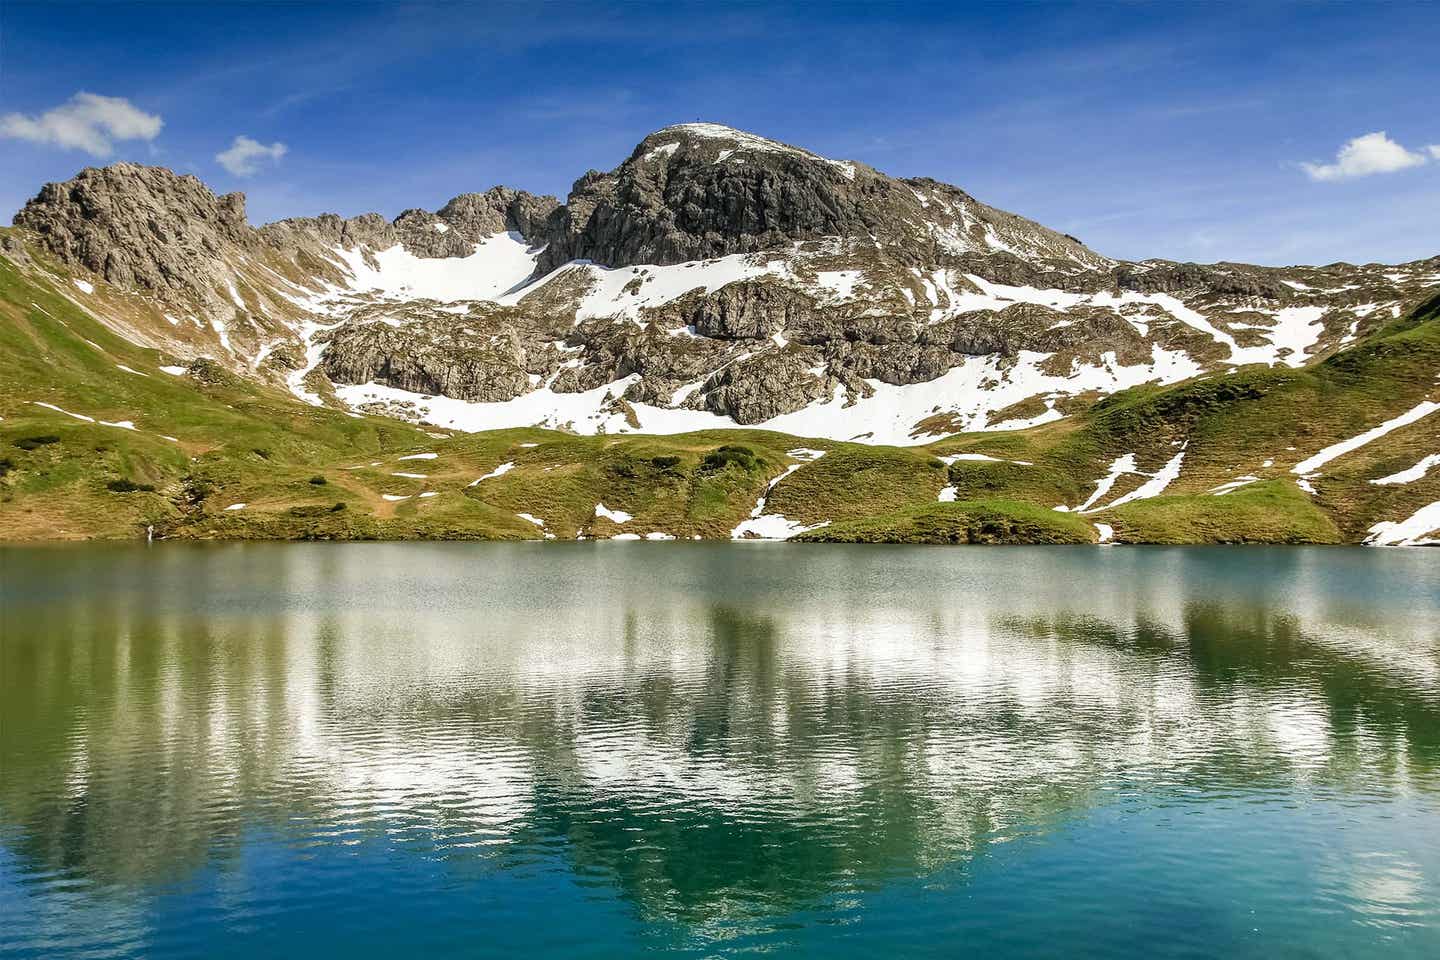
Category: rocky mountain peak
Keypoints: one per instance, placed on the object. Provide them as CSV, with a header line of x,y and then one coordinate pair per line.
x,y
716,143
136,225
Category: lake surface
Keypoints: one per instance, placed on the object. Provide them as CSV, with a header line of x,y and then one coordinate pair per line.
x,y
610,749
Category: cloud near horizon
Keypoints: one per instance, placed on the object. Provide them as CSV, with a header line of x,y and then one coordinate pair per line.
x,y
1368,155
87,121
245,156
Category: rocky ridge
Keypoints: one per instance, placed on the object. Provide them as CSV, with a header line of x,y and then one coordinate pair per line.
x,y
713,277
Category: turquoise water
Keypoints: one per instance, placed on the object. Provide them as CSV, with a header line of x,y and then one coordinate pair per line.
x,y
612,749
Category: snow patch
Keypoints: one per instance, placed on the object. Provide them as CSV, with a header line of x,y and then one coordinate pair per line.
x,y
1157,483
618,516
499,471
84,286
1230,486
1411,474
774,526
1118,468
499,263
1420,410
1410,532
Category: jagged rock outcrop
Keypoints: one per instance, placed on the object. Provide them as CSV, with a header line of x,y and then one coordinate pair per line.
x,y
441,357
764,386
141,227
452,231
746,310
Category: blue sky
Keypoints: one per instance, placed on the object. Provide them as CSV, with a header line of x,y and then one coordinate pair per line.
x,y
1174,130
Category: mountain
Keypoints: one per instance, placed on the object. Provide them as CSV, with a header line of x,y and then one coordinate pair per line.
x,y
717,280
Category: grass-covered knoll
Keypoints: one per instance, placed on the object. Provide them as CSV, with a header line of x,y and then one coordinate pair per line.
x,y
1273,511
853,481
975,521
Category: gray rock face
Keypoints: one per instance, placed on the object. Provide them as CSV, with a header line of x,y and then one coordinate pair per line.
x,y
488,360
140,227
748,310
696,191
764,386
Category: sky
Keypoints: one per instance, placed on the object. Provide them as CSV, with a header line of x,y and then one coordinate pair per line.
x,y
1272,133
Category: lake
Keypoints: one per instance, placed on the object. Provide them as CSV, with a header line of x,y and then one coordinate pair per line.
x,y
695,749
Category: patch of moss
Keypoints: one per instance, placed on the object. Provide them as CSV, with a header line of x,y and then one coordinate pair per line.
x,y
976,521
34,443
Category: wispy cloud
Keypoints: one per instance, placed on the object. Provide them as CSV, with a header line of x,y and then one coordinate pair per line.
x,y
1368,155
245,156
87,121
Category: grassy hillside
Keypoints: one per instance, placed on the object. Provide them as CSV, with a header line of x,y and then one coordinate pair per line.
x,y
124,446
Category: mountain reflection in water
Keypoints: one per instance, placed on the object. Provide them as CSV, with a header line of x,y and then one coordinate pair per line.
x,y
730,742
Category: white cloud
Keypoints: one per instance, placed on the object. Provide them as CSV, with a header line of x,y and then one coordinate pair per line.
x,y
87,121
1364,156
245,156
1434,150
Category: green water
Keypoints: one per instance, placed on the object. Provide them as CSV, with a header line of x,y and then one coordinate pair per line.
x,y
610,749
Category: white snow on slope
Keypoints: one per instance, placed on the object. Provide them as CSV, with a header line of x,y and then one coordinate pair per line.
x,y
500,262
1120,467
774,526
607,296
971,391
531,518
122,424
618,516
1107,532
1294,331
499,471
1230,486
84,286
175,371
1410,532
1310,465
419,456
1152,487
1157,483
980,458
839,283
1411,474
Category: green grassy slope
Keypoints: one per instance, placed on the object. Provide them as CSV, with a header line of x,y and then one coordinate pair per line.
x,y
207,440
